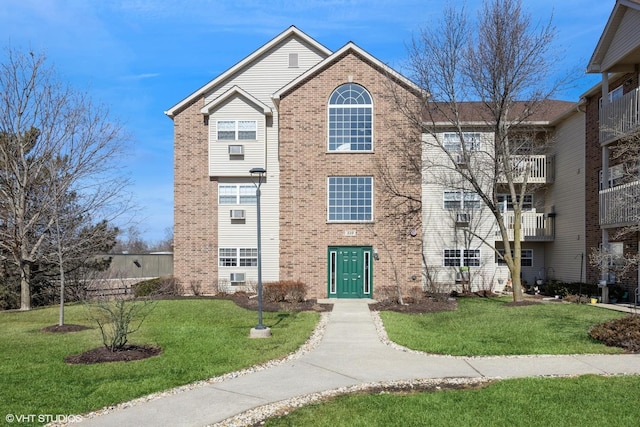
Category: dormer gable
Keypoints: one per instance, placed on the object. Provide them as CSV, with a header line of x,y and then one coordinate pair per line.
x,y
236,91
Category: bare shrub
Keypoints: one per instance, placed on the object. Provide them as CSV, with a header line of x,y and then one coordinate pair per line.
x,y
387,294
415,294
285,291
578,299
623,333
196,287
117,317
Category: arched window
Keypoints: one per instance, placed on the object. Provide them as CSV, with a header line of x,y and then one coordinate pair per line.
x,y
350,119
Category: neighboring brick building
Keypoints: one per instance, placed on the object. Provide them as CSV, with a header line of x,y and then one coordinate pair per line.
x,y
613,115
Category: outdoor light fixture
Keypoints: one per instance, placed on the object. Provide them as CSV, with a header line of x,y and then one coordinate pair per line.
x,y
260,331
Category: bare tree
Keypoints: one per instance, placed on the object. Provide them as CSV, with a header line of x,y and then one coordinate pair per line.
x,y
494,74
117,315
54,142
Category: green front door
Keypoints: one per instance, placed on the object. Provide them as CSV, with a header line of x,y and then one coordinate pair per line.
x,y
350,272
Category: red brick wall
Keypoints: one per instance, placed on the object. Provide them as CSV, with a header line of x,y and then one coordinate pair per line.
x,y
305,166
195,202
593,165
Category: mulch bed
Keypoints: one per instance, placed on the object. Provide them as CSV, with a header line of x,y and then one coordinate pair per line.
x,y
103,354
63,329
250,302
426,305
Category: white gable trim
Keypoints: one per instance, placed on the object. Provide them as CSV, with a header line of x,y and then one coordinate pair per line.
x,y
291,31
349,47
608,34
235,90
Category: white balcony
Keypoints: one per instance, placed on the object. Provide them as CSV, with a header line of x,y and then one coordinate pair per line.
x,y
619,117
534,227
619,205
540,169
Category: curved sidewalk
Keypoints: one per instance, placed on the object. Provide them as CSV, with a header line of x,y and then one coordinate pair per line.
x,y
349,354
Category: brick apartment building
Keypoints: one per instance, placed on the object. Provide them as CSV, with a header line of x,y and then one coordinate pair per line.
x,y
346,204
322,126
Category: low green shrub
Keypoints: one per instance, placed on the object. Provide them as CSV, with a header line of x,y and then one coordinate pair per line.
x,y
563,289
285,290
159,286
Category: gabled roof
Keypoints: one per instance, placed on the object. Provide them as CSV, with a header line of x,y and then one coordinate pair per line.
x,y
606,38
235,90
289,32
346,49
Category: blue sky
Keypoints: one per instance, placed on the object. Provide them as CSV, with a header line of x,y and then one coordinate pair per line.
x,y
141,57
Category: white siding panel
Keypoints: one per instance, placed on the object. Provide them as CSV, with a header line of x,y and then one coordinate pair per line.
x,y
261,79
564,257
243,234
626,39
220,163
272,71
439,225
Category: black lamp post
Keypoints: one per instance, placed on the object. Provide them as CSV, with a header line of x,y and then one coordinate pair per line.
x,y
260,330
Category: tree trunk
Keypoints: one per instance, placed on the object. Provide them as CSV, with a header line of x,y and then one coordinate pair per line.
x,y
25,287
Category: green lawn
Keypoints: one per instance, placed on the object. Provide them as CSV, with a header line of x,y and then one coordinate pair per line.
x,y
583,401
200,339
486,326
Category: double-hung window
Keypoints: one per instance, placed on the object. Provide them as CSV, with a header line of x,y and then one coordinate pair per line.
x,y
459,200
237,130
461,257
236,194
506,202
451,141
350,119
526,258
350,198
234,257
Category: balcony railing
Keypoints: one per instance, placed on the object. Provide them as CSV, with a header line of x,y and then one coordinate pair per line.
x,y
620,116
534,226
619,206
540,169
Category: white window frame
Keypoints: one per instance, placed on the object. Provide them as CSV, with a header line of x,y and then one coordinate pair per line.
x,y
341,138
239,134
506,202
526,258
237,257
452,143
350,209
244,194
462,257
460,199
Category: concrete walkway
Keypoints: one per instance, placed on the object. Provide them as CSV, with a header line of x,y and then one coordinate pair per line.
x,y
349,354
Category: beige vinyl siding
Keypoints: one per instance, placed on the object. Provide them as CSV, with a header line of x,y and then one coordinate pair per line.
x,y
440,232
627,38
243,233
261,80
271,72
220,162
568,197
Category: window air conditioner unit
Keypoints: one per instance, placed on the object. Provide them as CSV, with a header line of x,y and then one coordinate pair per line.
x,y
462,219
237,213
462,160
236,278
236,150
